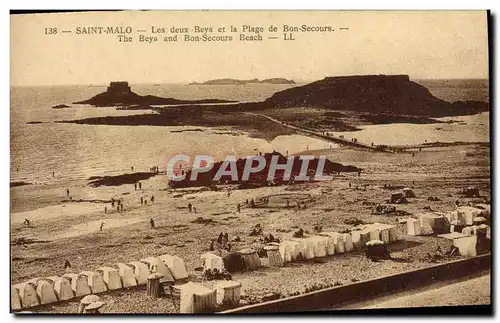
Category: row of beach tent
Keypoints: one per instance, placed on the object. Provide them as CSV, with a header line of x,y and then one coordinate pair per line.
x,y
40,291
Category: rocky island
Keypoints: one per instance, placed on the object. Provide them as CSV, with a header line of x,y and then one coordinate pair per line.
x,y
120,94
332,104
228,81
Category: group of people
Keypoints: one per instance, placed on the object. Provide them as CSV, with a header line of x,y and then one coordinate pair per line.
x,y
191,208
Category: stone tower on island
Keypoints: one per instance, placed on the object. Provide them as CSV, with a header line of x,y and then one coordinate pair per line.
x,y
119,88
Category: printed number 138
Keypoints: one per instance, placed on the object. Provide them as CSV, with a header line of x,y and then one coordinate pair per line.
x,y
50,31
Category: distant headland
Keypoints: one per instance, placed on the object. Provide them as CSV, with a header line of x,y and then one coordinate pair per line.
x,y
120,94
228,81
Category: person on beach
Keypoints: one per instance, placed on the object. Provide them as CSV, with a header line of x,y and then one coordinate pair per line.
x,y
102,224
105,209
190,207
349,184
194,209
132,168
121,207
112,202
67,266
252,203
152,199
140,185
152,222
118,208
238,207
228,193
142,200
26,222
67,192
135,186
145,202
53,174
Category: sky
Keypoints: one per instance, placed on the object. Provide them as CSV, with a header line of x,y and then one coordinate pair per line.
x,y
422,44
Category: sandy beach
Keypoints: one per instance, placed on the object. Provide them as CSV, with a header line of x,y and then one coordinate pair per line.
x,y
70,230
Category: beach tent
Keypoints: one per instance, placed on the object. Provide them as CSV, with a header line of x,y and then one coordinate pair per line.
x,y
211,261
319,246
330,243
408,192
468,213
195,298
273,255
298,250
349,245
176,266
466,245
15,299
307,247
356,239
157,266
27,294
45,291
433,222
228,292
413,226
96,281
141,272
251,259
127,275
286,250
62,287
374,232
111,277
79,284
233,262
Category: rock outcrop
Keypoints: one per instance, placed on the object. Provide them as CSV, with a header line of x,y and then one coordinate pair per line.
x,y
120,94
390,94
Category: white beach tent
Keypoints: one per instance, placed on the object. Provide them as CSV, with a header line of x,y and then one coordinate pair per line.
x,y
157,266
15,299
127,275
44,290
195,298
79,284
141,272
95,281
211,261
176,266
111,277
62,287
27,294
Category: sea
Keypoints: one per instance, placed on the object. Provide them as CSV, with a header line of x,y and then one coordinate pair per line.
x,y
74,151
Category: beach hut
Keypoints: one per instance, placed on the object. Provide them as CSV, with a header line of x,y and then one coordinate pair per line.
x,y
468,213
79,284
413,226
319,243
466,245
127,275
211,261
349,245
251,259
157,266
95,281
356,239
111,277
62,287
45,291
195,298
228,293
15,299
27,294
141,272
176,266
274,256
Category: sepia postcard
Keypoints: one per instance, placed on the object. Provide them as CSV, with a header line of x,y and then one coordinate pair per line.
x,y
185,162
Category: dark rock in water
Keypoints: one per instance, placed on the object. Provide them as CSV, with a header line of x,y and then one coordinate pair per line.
x,y
119,94
233,262
19,183
34,122
391,94
61,106
119,179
